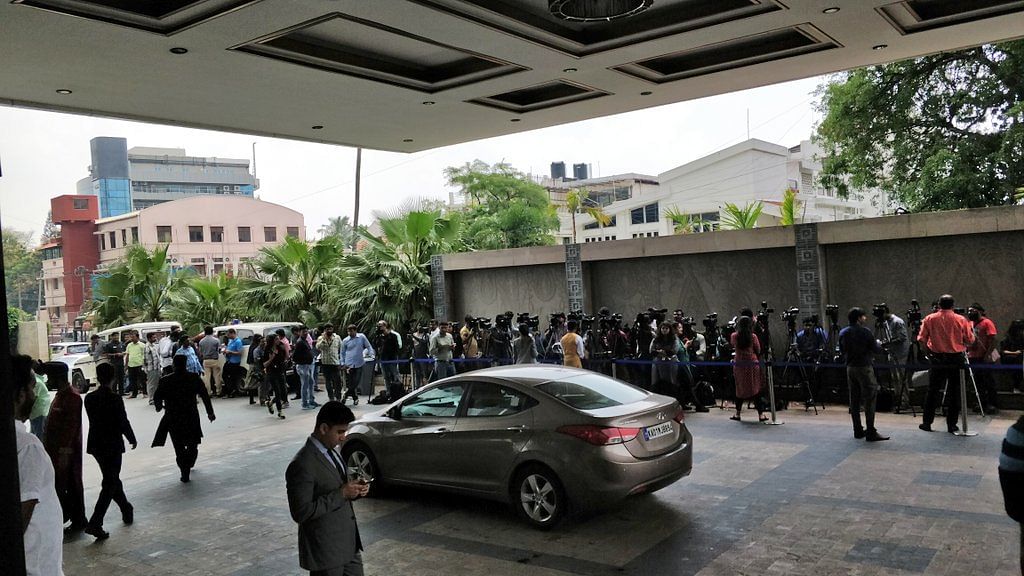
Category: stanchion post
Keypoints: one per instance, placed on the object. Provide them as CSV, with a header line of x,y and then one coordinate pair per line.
x,y
615,369
771,396
963,406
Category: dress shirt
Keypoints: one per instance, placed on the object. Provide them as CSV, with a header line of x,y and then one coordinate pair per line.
x,y
946,332
352,350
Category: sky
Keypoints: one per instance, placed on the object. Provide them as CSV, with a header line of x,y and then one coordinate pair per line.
x,y
44,154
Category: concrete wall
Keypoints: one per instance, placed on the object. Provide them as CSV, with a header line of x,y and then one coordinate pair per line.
x,y
539,289
32,339
983,268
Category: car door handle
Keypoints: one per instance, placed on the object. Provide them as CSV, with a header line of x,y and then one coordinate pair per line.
x,y
441,431
518,428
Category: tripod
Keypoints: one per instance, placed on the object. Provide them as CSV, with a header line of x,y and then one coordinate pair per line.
x,y
793,357
913,357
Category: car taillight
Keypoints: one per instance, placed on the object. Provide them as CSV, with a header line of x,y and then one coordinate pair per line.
x,y
680,415
600,436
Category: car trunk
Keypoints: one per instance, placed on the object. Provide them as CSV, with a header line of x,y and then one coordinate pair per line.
x,y
657,432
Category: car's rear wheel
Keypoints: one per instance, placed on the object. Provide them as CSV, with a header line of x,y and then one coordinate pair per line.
x,y
538,496
79,382
361,464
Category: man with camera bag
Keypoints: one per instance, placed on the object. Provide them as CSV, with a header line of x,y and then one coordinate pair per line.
x,y
946,335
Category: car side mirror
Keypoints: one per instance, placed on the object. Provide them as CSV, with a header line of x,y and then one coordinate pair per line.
x,y
395,412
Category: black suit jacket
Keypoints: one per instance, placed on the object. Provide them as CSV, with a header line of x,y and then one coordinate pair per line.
x,y
328,535
177,394
108,422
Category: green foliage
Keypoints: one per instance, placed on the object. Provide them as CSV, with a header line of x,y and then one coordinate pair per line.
x,y
14,317
505,208
790,208
940,132
741,218
340,228
390,278
137,288
684,223
22,267
289,281
578,201
207,302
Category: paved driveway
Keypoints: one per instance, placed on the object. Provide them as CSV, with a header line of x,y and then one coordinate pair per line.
x,y
803,498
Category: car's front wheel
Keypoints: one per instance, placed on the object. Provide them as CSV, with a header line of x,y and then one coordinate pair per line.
x,y
361,464
538,496
79,382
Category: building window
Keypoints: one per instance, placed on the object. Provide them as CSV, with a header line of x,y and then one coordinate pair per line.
x,y
124,237
244,234
195,233
293,231
103,242
566,240
645,215
591,226
651,212
269,234
163,234
112,236
216,233
135,234
81,204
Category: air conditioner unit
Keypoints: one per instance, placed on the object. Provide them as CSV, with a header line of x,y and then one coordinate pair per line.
x,y
227,259
174,260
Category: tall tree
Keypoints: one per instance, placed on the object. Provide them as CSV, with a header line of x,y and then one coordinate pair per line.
x,y
341,228
137,288
940,132
51,231
505,208
390,278
22,267
577,201
289,281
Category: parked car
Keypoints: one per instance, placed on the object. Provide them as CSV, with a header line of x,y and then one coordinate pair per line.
x,y
539,437
58,349
81,368
143,328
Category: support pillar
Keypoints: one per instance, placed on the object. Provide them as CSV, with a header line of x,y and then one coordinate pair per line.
x,y
809,273
438,287
574,277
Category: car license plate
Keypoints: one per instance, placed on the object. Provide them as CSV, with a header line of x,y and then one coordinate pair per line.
x,y
652,432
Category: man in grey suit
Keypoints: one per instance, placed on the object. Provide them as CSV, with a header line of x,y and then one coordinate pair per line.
x,y
320,498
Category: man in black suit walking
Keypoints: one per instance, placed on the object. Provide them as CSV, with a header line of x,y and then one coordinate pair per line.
x,y
108,422
178,392
320,498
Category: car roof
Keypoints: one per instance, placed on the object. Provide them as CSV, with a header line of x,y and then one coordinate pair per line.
x,y
70,344
254,326
139,326
529,374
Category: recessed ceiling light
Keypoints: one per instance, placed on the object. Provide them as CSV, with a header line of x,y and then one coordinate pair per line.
x,y
516,120
179,50
63,91
407,140
646,93
880,47
429,102
569,70
831,10
318,127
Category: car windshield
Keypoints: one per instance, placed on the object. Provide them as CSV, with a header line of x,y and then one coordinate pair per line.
x,y
77,349
592,392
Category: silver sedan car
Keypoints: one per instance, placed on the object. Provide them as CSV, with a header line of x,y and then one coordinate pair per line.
x,y
539,437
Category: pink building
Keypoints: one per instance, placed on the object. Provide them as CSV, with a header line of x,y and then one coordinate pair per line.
x,y
211,234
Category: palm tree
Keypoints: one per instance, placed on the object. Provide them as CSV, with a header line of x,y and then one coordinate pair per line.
x,y
683,223
289,281
341,228
578,200
790,207
745,218
207,302
137,288
390,278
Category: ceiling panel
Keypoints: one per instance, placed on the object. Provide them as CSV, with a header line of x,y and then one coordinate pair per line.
x,y
409,75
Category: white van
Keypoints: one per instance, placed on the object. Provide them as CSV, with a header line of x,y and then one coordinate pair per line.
x,y
247,330
144,329
82,367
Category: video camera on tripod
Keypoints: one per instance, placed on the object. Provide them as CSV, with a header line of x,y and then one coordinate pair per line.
x,y
532,321
832,313
789,316
765,312
914,313
879,311
480,323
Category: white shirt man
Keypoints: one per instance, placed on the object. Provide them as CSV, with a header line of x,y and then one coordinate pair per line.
x,y
44,532
166,349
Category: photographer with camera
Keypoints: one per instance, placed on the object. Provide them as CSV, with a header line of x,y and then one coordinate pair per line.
x,y
573,351
946,335
388,345
420,351
983,354
553,335
685,372
859,346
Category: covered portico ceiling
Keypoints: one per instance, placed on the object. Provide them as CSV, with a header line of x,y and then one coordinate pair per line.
x,y
408,75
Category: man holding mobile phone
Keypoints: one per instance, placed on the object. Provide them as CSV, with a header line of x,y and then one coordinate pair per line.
x,y
320,497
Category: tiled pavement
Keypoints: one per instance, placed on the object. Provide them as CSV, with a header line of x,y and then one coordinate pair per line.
x,y
803,498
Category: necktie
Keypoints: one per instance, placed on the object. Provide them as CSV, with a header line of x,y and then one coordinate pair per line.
x,y
337,464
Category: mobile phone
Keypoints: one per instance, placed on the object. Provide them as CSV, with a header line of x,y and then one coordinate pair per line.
x,y
366,480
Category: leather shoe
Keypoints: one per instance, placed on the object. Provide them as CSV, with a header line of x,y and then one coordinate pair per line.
x,y
874,436
858,433
925,427
953,430
128,514
96,531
